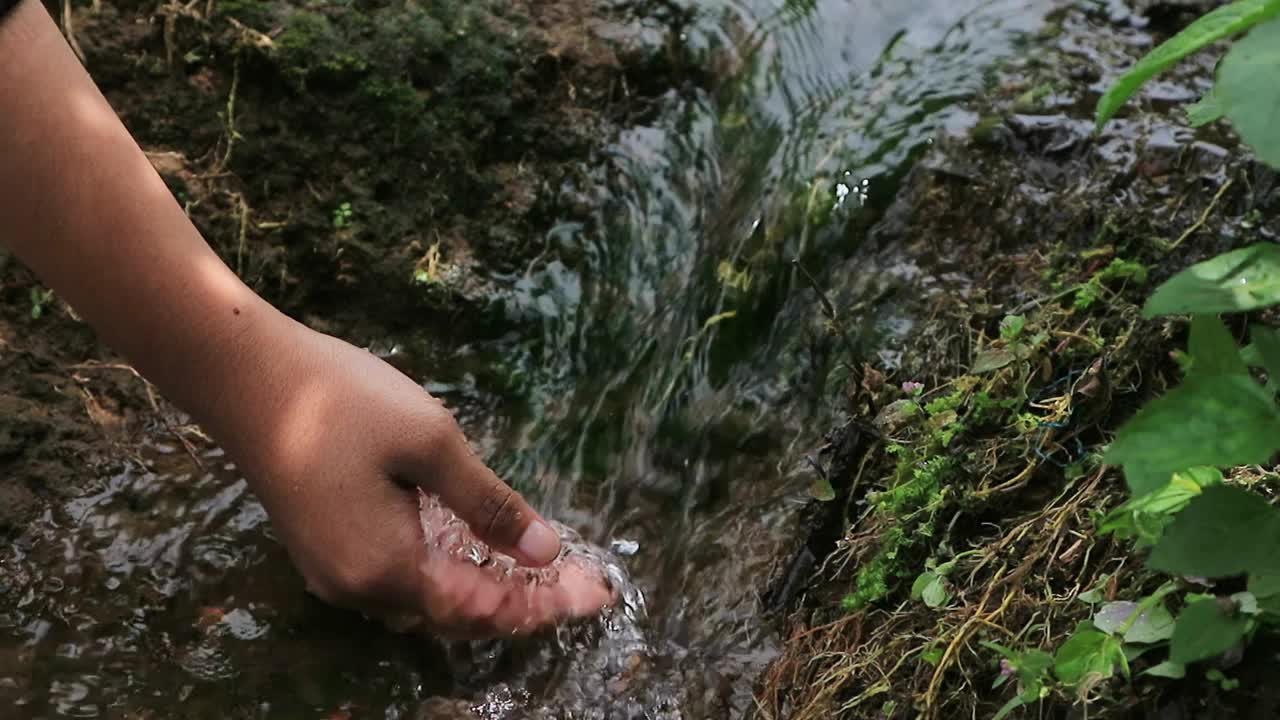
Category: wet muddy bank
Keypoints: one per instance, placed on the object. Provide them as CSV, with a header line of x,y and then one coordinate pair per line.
x,y
1021,251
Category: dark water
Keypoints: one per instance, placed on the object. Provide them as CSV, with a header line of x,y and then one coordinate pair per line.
x,y
669,368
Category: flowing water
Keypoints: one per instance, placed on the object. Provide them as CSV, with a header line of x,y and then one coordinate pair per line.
x,y
669,370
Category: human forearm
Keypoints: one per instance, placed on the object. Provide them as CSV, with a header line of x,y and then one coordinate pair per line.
x,y
81,205
327,434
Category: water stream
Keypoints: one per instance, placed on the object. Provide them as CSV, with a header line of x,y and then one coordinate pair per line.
x,y
670,367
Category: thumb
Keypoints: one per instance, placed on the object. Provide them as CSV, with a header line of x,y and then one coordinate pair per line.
x,y
496,513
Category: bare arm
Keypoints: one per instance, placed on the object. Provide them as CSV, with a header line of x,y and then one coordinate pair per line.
x,y
82,206
322,429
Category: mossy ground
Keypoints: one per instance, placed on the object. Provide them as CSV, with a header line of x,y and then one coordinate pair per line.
x,y
982,486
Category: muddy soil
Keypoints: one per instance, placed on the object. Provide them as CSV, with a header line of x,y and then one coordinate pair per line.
x,y
1028,213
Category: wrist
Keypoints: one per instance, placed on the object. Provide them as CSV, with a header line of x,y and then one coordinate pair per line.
x,y
248,366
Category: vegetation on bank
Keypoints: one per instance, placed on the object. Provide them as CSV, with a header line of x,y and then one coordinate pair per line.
x,y
993,566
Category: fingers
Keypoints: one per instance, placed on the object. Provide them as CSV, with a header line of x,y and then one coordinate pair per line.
x,y
443,463
470,602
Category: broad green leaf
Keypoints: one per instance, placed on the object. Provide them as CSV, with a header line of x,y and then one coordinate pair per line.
x,y
1086,655
1211,27
1249,88
1168,669
1143,480
1206,629
1226,531
1212,348
1251,356
1269,607
1151,625
1209,108
1267,341
1244,279
1264,583
1208,420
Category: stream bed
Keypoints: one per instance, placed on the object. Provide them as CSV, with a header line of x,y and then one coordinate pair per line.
x,y
670,368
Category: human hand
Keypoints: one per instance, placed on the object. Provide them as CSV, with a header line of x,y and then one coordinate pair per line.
x,y
334,440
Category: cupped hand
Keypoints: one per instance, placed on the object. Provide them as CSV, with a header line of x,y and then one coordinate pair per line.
x,y
335,442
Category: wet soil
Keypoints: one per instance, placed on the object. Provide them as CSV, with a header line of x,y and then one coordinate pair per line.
x,y
1020,215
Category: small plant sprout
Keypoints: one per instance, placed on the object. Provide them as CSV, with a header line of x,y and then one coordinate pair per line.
x,y
342,216
40,300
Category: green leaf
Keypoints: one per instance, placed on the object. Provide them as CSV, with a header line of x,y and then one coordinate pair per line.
x,y
1247,603
1011,326
1033,664
1206,629
1264,583
1086,656
1209,109
935,593
1154,624
1251,356
992,359
930,587
1249,88
1168,669
1244,279
1208,420
923,581
1211,27
1014,703
1197,478
1267,341
1212,348
1143,480
1225,531
1145,517
1269,608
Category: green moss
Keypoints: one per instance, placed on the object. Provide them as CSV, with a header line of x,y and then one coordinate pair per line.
x,y
908,507
438,63
1119,270
946,403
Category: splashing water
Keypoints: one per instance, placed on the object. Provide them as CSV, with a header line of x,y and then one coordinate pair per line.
x,y
587,668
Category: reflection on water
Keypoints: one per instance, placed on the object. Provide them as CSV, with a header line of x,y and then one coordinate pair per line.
x,y
671,367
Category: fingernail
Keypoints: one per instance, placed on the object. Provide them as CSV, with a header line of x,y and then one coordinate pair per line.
x,y
539,543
